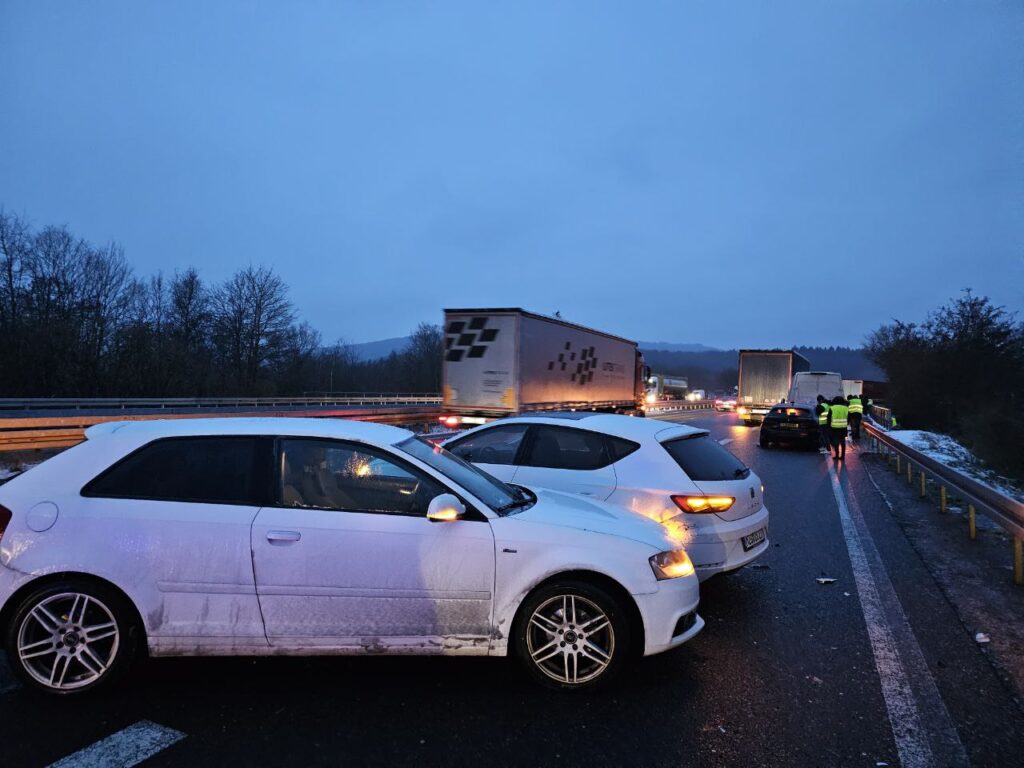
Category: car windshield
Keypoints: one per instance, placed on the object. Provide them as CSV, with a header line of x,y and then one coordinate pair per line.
x,y
500,497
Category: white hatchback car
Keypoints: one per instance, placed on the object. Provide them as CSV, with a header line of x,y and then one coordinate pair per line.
x,y
672,473
313,536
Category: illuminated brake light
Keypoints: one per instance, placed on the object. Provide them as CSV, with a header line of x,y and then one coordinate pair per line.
x,y
700,504
449,421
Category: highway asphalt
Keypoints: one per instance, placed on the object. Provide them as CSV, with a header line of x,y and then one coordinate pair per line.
x,y
875,668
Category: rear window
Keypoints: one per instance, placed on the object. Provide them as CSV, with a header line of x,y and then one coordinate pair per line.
x,y
701,458
217,470
780,410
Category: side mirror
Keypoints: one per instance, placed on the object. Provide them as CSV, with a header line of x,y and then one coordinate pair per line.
x,y
445,508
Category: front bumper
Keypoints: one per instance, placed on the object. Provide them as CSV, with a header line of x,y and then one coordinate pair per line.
x,y
663,613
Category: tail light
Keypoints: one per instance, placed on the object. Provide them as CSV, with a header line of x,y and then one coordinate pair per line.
x,y
5,519
449,421
700,504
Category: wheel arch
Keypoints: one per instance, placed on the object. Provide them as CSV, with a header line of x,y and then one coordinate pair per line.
x,y
603,581
7,612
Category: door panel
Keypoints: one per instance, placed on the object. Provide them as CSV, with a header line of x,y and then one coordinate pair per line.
x,y
564,459
349,557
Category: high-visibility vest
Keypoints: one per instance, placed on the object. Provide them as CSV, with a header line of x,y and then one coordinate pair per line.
x,y
823,413
856,406
839,416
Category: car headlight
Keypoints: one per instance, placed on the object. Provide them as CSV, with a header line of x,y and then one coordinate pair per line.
x,y
671,565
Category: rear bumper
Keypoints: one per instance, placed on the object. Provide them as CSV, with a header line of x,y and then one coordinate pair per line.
x,y
719,548
672,609
803,433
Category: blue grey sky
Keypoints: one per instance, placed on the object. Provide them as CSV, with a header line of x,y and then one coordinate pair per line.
x,y
732,173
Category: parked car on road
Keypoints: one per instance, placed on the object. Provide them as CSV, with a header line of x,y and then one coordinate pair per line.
x,y
673,473
316,536
790,424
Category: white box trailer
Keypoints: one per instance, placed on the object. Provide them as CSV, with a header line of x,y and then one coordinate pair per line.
x,y
500,362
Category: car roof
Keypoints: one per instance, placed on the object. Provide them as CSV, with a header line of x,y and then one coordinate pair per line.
x,y
629,427
153,429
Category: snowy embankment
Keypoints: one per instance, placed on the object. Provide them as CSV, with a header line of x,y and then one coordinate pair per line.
x,y
945,450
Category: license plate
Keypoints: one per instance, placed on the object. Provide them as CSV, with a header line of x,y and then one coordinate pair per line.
x,y
751,540
787,425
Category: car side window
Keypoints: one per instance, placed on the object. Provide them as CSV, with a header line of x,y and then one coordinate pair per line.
x,y
564,448
497,445
328,474
216,470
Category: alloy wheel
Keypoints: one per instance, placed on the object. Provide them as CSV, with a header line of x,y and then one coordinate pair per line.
x,y
68,640
570,639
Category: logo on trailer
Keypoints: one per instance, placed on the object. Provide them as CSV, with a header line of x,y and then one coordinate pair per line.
x,y
579,364
468,339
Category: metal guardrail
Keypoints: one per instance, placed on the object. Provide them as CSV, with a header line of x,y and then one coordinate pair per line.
x,y
1002,509
666,406
161,403
33,423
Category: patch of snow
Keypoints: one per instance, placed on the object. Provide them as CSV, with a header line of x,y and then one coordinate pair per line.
x,y
948,451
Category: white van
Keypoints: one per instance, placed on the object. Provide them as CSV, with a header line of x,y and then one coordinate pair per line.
x,y
807,385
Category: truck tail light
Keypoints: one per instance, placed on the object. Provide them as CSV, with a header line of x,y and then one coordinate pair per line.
x,y
5,519
700,504
449,421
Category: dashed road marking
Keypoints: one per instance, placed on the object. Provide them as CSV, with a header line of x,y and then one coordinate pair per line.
x,y
725,441
128,747
921,726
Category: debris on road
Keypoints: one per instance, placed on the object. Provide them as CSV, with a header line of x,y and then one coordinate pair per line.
x,y
825,580
981,638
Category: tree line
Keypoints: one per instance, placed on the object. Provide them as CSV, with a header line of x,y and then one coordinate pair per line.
x,y
76,321
960,372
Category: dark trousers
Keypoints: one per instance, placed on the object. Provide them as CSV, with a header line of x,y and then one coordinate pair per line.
x,y
839,442
855,425
826,436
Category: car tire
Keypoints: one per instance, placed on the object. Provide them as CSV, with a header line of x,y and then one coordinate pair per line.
x,y
72,637
763,441
550,620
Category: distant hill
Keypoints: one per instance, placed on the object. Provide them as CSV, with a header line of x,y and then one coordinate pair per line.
x,y
668,346
375,350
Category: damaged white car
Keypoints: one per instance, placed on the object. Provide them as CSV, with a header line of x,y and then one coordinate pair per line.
x,y
315,536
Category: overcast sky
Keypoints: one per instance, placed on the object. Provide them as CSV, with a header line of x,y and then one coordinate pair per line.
x,y
737,174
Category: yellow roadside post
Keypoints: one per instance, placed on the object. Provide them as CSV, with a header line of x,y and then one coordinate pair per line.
x,y
910,472
924,485
897,463
942,498
970,521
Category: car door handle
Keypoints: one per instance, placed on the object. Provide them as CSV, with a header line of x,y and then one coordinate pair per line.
x,y
280,538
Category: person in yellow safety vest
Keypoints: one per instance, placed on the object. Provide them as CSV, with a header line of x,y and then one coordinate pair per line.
x,y
823,429
838,417
856,414
892,422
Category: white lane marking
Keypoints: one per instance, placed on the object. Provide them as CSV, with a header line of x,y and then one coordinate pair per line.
x,y
885,620
8,682
725,441
128,747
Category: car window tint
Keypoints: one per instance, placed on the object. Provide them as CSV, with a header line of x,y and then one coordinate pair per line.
x,y
620,448
323,474
561,448
702,458
490,446
221,470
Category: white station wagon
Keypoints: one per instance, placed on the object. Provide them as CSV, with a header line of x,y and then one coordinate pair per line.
x,y
674,473
313,536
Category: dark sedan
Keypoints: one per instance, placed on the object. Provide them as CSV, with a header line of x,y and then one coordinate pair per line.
x,y
789,424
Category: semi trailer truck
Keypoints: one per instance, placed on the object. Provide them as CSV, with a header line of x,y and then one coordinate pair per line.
x,y
765,378
502,362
